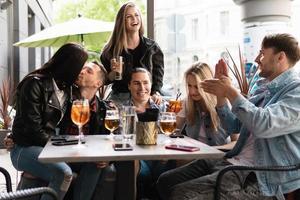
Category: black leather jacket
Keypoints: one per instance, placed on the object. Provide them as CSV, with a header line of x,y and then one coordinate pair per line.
x,y
152,60
38,112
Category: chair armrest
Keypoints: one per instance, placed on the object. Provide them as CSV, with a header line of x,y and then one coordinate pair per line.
x,y
249,168
28,193
7,179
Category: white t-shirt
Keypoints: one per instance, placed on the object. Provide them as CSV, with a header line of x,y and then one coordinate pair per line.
x,y
60,94
245,157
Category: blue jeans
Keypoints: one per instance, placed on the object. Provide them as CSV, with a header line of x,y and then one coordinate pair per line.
x,y
85,183
105,188
83,187
149,172
197,181
59,175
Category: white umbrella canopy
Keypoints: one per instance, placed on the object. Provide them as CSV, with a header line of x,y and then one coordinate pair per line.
x,y
80,30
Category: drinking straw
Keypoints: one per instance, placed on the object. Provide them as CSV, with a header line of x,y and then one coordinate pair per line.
x,y
178,95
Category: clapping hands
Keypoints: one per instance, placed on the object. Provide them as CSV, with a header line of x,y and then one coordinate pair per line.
x,y
221,85
221,69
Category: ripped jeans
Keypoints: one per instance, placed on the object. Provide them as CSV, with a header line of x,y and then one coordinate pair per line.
x,y
59,175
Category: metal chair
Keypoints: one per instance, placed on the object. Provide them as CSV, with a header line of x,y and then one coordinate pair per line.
x,y
7,179
9,194
290,196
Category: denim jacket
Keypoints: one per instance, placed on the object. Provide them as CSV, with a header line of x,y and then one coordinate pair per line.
x,y
276,128
213,137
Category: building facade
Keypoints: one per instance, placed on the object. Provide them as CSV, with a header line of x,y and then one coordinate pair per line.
x,y
194,30
18,20
202,30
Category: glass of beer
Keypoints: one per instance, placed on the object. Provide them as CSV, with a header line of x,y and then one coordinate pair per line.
x,y
118,61
174,106
167,122
112,121
80,114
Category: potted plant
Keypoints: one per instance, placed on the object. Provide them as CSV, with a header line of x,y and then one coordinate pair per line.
x,y
5,109
239,73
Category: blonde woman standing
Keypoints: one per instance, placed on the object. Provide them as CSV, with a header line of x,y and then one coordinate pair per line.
x,y
127,40
198,112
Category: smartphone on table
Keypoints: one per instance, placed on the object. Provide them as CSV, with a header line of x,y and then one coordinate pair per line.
x,y
63,143
122,147
182,147
176,135
61,140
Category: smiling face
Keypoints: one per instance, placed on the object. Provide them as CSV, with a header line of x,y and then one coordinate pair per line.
x,y
89,76
279,52
140,86
268,63
132,19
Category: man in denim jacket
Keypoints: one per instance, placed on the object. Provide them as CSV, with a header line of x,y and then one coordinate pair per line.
x,y
269,126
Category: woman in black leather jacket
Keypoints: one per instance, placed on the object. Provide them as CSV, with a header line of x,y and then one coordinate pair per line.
x,y
41,101
127,40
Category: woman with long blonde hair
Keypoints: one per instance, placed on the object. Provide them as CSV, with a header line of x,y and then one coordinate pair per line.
x,y
127,40
199,112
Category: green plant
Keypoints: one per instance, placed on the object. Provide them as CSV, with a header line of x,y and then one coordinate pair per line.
x,y
5,98
240,74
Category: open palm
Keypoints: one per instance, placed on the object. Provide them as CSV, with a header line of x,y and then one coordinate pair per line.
x,y
221,69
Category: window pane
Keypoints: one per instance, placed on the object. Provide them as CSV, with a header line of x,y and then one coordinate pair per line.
x,y
194,30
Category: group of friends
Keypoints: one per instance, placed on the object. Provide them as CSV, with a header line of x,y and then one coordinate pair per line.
x,y
264,128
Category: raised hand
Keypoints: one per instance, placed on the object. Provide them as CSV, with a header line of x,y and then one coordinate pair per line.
x,y
221,69
218,87
221,87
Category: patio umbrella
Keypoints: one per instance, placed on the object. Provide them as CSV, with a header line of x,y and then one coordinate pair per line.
x,y
80,30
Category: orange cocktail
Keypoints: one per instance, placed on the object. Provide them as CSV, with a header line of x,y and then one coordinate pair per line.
x,y
174,106
80,114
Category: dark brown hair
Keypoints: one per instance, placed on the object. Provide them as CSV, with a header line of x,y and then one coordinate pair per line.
x,y
283,42
65,65
102,73
139,70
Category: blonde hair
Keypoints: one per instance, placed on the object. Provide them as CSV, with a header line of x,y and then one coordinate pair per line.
x,y
201,71
118,40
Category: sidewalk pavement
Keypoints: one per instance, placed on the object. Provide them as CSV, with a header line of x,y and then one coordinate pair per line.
x,y
6,163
